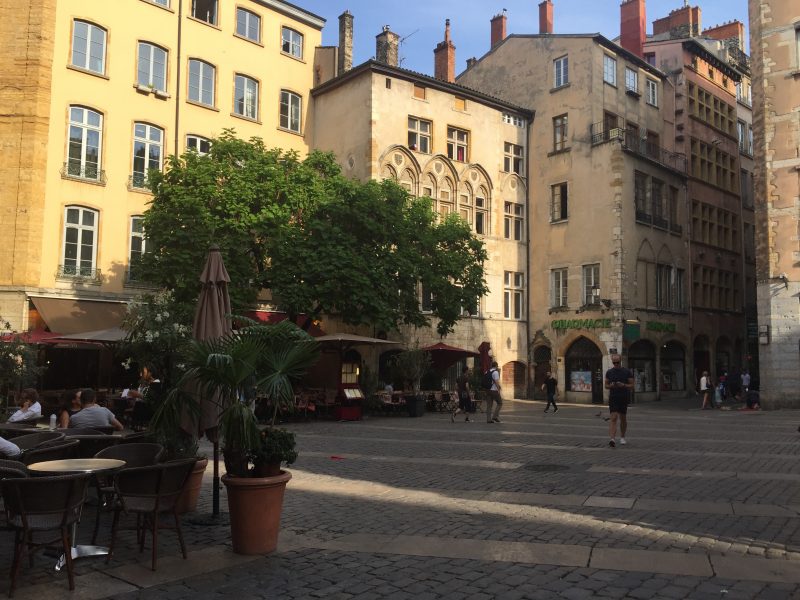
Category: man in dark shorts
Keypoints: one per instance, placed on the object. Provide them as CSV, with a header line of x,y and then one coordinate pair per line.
x,y
464,399
550,386
619,383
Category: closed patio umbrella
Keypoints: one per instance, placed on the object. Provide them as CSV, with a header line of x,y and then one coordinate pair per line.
x,y
444,355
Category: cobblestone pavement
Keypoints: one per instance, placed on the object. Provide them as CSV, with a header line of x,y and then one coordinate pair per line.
x,y
697,505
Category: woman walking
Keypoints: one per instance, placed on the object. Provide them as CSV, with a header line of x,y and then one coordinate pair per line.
x,y
464,400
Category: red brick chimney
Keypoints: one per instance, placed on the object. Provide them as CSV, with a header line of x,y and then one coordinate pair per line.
x,y
498,28
546,17
633,23
732,33
444,57
680,23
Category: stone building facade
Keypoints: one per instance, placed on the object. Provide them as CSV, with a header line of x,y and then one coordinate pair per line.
x,y
775,48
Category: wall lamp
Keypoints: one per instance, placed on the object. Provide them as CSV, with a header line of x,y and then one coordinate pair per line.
x,y
784,280
596,299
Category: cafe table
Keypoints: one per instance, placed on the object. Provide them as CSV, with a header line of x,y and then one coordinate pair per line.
x,y
78,465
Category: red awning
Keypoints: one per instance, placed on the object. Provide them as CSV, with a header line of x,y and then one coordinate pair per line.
x,y
272,317
37,336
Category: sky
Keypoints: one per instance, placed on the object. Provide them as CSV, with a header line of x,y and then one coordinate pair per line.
x,y
420,23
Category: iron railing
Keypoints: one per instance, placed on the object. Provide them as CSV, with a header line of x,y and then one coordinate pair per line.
x,y
83,172
631,142
77,272
138,181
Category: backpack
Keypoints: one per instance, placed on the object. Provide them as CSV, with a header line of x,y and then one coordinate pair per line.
x,y
488,380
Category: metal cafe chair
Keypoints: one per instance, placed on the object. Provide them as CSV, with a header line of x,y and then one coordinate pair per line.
x,y
35,440
66,449
134,455
40,504
149,492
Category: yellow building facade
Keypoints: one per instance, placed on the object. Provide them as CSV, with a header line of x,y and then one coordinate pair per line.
x,y
101,92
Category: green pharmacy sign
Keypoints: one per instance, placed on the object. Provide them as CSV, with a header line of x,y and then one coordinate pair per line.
x,y
662,327
581,324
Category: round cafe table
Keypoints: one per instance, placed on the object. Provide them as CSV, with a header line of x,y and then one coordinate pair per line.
x,y
78,465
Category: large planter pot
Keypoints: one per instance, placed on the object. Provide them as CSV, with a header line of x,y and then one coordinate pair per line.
x,y
187,501
255,504
415,404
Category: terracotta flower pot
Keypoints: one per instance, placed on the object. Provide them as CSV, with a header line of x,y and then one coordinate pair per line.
x,y
187,501
255,505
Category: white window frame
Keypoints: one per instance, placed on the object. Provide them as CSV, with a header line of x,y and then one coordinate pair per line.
x,y
560,132
559,288
202,77
291,111
561,71
631,80
143,136
196,142
89,44
652,92
609,69
207,18
513,295
591,279
250,19
77,268
136,233
161,2
513,120
482,220
80,166
556,202
245,96
152,75
457,142
292,42
514,221
513,159
418,139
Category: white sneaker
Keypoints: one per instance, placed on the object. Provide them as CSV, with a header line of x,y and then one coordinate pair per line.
x,y
622,441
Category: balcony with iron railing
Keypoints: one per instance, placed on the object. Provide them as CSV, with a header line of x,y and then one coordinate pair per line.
x,y
138,182
631,142
79,273
83,172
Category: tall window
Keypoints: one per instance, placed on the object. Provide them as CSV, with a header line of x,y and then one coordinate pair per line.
x,y
657,200
85,135
513,159
248,25
640,196
559,197
560,131
80,242
198,143
609,69
292,42
147,152
419,135
631,80
291,105
152,66
513,294
201,82
652,92
88,47
558,288
205,10
591,280
457,144
245,98
513,220
481,213
426,305
560,71
741,130
137,248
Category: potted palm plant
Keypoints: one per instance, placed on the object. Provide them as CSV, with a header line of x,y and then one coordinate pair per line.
x,y
410,366
255,361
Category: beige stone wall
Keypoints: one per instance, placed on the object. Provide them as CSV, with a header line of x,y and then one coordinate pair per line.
x,y
776,96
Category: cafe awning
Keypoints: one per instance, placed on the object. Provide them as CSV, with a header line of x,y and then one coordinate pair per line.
x,y
69,316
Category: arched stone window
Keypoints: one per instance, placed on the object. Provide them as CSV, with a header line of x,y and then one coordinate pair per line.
x,y
642,361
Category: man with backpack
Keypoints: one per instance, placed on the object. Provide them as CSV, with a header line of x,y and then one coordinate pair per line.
x,y
491,383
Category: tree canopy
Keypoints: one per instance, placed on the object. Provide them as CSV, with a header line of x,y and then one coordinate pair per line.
x,y
320,242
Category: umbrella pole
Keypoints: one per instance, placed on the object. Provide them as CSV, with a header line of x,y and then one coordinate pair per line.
x,y
215,492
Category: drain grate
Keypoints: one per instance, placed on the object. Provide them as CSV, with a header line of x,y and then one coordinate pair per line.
x,y
546,468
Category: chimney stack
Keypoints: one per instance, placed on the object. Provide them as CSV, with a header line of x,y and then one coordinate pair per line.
x,y
732,33
498,28
471,62
444,57
387,47
681,23
345,42
546,16
633,23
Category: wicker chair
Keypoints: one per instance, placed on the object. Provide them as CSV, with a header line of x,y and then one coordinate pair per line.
x,y
35,440
66,449
149,492
136,437
70,431
12,468
90,445
134,455
41,504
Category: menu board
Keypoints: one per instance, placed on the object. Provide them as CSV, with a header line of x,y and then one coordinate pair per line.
x,y
353,393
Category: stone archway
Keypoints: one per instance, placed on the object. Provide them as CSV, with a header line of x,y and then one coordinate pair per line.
x,y
514,377
584,369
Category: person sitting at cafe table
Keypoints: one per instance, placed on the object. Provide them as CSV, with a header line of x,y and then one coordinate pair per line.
x,y
70,404
29,407
92,415
9,449
147,397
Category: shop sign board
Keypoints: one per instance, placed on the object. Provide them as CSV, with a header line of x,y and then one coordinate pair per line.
x,y
581,324
661,327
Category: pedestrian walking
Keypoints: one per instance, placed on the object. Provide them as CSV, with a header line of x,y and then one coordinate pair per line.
x,y
464,399
705,390
746,380
619,383
550,386
493,395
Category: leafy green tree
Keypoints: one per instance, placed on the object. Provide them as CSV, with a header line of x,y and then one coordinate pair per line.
x,y
321,243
